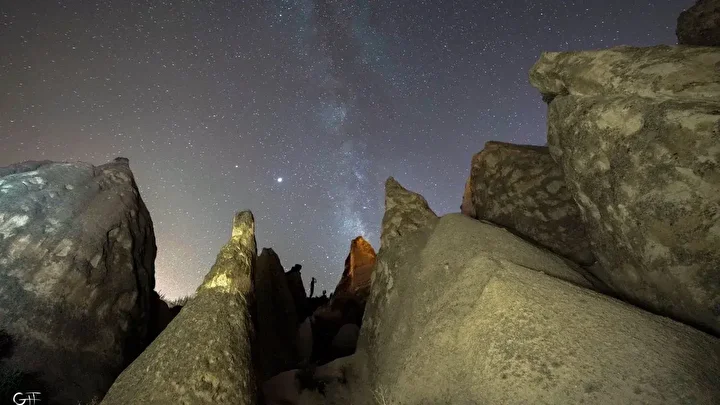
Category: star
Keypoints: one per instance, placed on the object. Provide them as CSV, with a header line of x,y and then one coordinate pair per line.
x,y
347,92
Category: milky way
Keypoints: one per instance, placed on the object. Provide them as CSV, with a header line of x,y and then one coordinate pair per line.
x,y
214,102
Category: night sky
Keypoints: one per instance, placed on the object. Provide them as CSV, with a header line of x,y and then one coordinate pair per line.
x,y
296,109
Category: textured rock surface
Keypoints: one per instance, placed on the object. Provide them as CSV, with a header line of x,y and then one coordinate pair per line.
x,y
204,355
645,172
358,269
655,72
405,212
700,24
276,321
521,188
468,313
76,273
467,207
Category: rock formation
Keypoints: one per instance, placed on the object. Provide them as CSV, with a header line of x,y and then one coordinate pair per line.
x,y
204,355
514,302
297,290
637,134
521,188
405,212
658,72
467,207
76,273
276,320
359,263
700,24
463,311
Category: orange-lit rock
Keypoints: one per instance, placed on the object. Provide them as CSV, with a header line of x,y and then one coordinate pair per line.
x,y
467,207
358,269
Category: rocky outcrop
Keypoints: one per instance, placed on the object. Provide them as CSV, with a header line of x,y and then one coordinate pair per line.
x,y
298,292
405,212
204,355
700,24
359,263
463,311
76,273
672,72
521,188
637,134
276,321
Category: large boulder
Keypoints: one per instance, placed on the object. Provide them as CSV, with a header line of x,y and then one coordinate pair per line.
x,y
654,72
276,320
520,187
76,273
204,355
462,311
700,24
637,134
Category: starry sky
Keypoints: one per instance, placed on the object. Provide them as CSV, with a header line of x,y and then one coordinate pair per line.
x,y
296,109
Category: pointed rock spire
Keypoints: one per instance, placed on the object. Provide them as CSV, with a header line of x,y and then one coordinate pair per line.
x,y
204,354
358,268
405,212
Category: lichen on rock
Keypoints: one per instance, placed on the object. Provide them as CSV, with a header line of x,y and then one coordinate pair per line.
x,y
204,355
637,134
76,273
523,189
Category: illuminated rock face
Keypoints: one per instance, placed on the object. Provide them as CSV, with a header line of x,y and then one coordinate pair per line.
x,y
76,273
467,207
405,212
521,188
462,311
204,355
358,269
700,24
636,132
